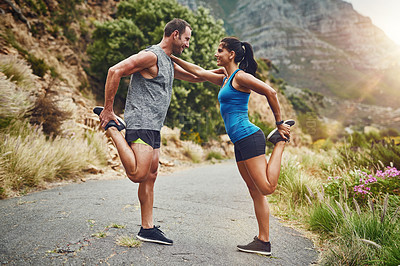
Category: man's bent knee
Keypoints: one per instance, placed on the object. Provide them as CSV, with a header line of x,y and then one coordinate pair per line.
x,y
137,177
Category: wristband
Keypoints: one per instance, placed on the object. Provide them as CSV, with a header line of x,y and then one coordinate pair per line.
x,y
279,123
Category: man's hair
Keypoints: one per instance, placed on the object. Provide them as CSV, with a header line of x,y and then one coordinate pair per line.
x,y
176,24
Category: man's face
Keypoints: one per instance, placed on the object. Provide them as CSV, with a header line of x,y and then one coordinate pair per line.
x,y
181,41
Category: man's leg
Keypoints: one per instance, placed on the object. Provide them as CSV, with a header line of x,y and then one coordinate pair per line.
x,y
148,232
136,158
146,192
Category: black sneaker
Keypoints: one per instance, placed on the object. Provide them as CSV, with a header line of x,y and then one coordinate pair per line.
x,y
98,109
274,135
257,246
153,235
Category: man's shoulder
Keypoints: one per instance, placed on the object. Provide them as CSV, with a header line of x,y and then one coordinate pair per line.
x,y
147,56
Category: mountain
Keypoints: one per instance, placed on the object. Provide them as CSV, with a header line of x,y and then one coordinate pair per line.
x,y
323,45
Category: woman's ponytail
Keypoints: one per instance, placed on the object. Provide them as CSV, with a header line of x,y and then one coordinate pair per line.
x,y
248,64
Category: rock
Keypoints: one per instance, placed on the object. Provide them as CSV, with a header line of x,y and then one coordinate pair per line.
x,y
164,162
93,170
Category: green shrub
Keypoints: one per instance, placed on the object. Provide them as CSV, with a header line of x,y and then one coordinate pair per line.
x,y
141,23
214,154
369,150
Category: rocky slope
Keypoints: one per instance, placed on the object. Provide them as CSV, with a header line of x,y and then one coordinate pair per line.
x,y
66,83
324,45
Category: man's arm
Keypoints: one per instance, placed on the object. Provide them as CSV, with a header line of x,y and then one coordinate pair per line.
x,y
132,64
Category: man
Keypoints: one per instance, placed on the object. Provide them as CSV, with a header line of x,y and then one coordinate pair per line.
x,y
147,102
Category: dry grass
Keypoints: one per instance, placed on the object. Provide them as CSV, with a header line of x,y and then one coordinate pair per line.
x,y
29,160
128,241
193,151
15,101
17,70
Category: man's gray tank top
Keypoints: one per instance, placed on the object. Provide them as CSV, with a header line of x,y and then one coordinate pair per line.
x,y
148,100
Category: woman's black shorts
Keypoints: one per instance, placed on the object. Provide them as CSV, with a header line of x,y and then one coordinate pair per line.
x,y
250,146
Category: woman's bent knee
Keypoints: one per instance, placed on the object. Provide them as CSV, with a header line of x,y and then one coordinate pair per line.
x,y
268,190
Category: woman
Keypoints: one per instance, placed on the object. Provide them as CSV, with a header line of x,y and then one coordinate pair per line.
x,y
261,177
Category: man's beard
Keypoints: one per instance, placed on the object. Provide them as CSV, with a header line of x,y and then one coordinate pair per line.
x,y
177,50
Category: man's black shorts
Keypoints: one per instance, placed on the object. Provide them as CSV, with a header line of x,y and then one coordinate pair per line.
x,y
144,136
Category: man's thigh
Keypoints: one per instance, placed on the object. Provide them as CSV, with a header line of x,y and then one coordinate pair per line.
x,y
144,156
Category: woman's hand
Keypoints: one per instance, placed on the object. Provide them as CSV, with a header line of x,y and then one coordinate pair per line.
x,y
173,58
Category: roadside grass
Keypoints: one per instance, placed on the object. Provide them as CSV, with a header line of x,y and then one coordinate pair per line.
x,y
128,241
214,154
318,192
192,150
29,160
30,156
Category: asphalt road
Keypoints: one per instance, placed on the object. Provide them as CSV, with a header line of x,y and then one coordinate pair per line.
x,y
206,211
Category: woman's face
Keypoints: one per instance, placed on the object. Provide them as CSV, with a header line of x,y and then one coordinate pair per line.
x,y
222,55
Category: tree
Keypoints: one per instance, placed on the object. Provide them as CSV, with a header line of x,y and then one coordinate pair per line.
x,y
140,23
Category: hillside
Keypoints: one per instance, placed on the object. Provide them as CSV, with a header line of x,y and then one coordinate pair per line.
x,y
322,45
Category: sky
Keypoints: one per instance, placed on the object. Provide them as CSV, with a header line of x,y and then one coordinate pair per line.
x,y
383,13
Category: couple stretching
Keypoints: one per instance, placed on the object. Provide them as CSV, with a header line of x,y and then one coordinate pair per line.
x,y
149,94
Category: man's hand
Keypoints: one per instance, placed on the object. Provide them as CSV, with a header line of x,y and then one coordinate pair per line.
x,y
284,130
106,116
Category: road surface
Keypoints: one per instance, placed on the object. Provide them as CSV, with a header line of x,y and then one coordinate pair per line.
x,y
206,210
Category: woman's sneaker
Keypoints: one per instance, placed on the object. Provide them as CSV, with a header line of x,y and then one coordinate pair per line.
x,y
98,109
257,246
274,137
154,235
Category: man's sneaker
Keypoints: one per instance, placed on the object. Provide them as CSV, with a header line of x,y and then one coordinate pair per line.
x,y
153,235
98,109
274,135
257,246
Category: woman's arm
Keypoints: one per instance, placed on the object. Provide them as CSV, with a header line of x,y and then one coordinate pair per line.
x,y
199,71
253,83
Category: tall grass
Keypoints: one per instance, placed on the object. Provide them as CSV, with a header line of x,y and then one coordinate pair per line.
x,y
28,157
369,150
17,70
29,161
15,101
360,236
356,228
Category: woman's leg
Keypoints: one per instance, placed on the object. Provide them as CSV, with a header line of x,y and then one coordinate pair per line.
x,y
265,174
260,203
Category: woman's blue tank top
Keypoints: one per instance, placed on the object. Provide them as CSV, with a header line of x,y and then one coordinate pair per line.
x,y
234,111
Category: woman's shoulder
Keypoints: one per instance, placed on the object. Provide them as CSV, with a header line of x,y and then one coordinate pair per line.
x,y
241,76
